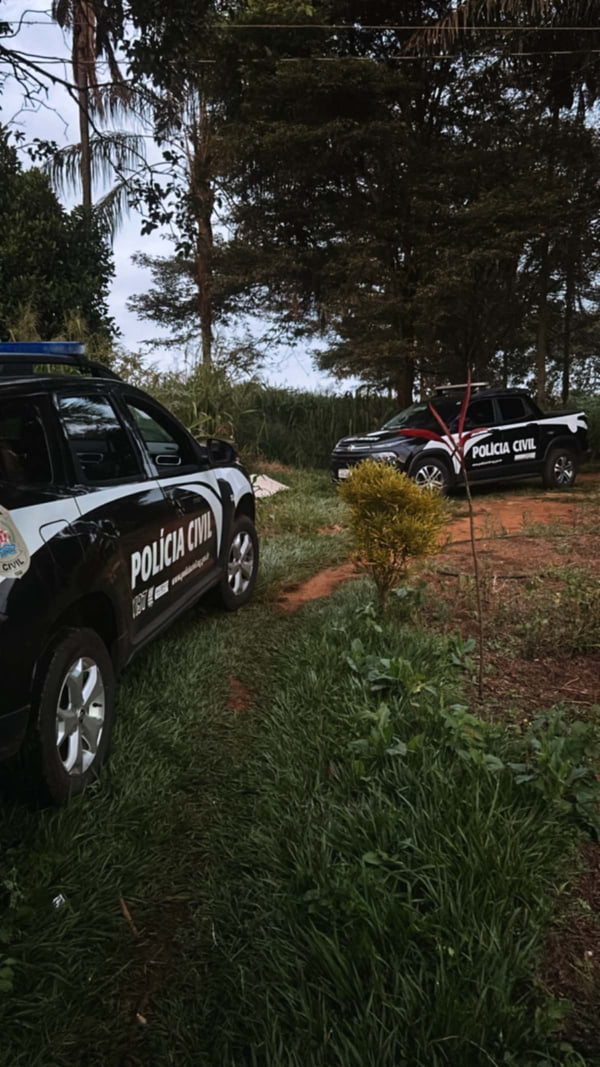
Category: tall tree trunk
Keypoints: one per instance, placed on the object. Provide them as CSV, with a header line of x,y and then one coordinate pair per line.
x,y
203,199
569,300
405,382
541,351
82,28
204,286
504,369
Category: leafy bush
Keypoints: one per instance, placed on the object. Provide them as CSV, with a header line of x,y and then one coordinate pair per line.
x,y
560,762
392,521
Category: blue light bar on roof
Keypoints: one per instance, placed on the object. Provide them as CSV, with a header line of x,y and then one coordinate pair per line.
x,y
41,348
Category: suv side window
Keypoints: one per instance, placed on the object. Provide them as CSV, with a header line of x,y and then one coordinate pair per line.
x,y
101,447
167,446
515,409
480,413
24,452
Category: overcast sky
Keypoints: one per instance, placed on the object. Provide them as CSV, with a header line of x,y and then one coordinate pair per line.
x,y
55,118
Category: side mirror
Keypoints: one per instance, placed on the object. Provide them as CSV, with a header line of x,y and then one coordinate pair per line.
x,y
221,453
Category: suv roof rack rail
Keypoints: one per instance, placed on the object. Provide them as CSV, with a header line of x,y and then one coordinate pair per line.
x,y
18,358
475,387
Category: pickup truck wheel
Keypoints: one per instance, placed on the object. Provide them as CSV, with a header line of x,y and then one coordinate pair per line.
x,y
241,566
73,717
560,469
432,474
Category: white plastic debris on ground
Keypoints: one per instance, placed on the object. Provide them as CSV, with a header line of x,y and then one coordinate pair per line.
x,y
265,486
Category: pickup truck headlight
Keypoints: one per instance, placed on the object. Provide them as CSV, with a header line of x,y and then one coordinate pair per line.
x,y
385,457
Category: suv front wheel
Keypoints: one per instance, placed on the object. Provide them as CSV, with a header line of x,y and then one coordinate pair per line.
x,y
74,715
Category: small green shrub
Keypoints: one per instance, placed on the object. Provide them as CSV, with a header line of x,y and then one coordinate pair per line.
x,y
392,522
565,622
560,762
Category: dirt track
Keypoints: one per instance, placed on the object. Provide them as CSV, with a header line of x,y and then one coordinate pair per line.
x,y
507,548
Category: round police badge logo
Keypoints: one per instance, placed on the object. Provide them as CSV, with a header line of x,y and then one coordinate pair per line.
x,y
14,555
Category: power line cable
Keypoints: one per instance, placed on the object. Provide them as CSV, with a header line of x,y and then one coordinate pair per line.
x,y
54,60
360,27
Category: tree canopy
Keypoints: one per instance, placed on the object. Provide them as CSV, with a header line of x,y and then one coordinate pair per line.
x,y
412,188
52,262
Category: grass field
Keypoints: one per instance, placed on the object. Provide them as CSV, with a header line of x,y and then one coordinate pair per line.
x,y
305,850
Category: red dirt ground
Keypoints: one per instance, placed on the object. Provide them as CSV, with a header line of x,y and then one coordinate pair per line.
x,y
240,697
514,514
320,585
506,548
501,556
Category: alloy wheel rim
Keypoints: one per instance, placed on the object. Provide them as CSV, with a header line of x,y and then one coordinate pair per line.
x,y
430,477
80,714
564,470
240,567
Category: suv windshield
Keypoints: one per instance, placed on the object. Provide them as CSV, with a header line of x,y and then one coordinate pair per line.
x,y
419,417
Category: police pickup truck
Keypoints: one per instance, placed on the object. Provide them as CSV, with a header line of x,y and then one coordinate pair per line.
x,y
113,521
514,440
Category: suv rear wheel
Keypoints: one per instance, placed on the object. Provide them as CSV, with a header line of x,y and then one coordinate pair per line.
x,y
241,565
74,716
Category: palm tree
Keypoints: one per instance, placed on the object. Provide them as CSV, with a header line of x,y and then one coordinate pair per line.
x,y
79,16
96,26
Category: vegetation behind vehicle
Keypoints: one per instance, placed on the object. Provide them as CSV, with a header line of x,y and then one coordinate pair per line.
x,y
291,426
281,425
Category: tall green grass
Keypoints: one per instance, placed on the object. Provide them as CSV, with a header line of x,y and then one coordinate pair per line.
x,y
284,425
386,901
314,880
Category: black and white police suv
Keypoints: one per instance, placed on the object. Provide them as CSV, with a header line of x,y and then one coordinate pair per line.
x,y
113,521
516,441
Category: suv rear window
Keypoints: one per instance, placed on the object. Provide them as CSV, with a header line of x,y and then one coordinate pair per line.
x,y
24,452
98,441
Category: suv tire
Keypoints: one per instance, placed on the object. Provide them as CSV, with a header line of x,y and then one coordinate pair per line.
x,y
73,716
240,566
560,469
431,472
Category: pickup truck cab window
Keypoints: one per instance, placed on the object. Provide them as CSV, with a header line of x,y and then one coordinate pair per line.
x,y
419,416
480,413
515,409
